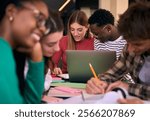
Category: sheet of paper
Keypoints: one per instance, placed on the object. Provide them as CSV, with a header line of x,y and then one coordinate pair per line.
x,y
108,98
68,89
59,93
49,99
64,76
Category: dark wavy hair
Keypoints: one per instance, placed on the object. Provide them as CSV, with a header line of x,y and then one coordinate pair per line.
x,y
56,25
55,22
134,24
101,17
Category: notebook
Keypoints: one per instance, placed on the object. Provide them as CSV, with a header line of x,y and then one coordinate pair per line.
x,y
78,63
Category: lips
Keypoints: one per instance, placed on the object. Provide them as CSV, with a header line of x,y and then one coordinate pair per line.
x,y
77,38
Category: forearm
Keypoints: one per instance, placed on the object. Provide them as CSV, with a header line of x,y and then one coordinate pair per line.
x,y
109,77
34,85
142,91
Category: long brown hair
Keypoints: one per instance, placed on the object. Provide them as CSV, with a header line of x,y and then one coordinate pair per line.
x,y
56,25
80,18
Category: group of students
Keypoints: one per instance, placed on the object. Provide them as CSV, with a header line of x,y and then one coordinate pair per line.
x,y
35,34
102,36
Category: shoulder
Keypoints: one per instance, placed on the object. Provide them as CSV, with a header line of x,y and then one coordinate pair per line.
x,y
5,47
91,39
63,43
121,40
6,54
64,40
4,43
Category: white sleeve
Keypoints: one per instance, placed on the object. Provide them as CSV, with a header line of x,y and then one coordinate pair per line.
x,y
48,80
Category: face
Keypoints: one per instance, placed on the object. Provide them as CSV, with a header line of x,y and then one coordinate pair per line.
x,y
28,25
50,43
101,33
78,31
139,47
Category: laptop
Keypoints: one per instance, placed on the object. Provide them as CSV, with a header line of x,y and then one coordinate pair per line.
x,y
78,63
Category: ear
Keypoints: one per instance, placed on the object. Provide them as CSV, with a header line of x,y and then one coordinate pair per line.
x,y
109,27
11,11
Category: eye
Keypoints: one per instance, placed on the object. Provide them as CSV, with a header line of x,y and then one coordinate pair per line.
x,y
71,29
80,30
50,45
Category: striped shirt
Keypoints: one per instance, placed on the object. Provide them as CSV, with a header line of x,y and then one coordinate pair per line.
x,y
116,45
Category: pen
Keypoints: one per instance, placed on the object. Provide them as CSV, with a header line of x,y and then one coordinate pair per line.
x,y
93,71
82,96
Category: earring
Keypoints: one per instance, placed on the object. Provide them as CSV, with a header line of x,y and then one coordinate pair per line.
x,y
10,18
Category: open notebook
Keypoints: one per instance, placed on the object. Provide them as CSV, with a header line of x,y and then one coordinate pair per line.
x,y
107,98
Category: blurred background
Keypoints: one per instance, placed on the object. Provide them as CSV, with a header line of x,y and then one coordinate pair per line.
x,y
66,7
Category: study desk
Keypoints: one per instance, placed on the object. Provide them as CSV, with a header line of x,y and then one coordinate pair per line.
x,y
62,97
55,92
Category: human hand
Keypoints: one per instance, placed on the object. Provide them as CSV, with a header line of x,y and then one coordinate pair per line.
x,y
57,71
96,86
130,101
117,84
36,54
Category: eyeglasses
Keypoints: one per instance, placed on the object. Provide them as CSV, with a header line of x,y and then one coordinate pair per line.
x,y
40,20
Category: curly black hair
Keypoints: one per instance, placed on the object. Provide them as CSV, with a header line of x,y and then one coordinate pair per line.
x,y
134,23
101,17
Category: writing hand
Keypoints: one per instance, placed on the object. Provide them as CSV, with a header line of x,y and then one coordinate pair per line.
x,y
96,86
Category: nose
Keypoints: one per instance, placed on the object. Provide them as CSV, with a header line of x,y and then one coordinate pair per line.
x,y
75,33
56,47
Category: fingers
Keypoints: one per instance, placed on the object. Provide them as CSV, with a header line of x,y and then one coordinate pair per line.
x,y
112,86
130,101
57,71
117,84
36,55
122,101
93,89
95,86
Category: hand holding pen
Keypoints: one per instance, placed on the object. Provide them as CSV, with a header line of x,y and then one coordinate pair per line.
x,y
95,85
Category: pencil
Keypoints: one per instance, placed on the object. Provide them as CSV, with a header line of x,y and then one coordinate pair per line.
x,y
82,96
93,71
